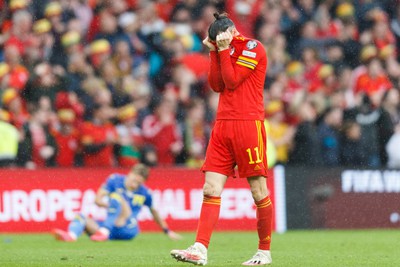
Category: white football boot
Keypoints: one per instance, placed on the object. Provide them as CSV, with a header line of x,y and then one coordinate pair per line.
x,y
196,254
262,257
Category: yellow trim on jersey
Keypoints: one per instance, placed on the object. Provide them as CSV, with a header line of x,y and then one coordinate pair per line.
x,y
247,62
255,62
116,196
245,65
260,140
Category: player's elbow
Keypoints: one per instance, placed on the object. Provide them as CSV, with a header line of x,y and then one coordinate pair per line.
x,y
217,89
98,202
231,86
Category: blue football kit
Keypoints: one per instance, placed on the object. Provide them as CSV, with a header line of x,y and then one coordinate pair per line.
x,y
117,192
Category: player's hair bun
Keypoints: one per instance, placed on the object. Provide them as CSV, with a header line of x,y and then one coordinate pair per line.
x,y
219,16
221,24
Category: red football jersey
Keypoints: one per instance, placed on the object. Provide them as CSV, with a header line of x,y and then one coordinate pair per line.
x,y
97,134
68,146
238,74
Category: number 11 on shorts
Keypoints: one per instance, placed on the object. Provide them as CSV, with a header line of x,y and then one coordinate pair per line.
x,y
258,159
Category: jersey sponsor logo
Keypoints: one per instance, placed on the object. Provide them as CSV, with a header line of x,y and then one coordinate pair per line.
x,y
251,44
249,54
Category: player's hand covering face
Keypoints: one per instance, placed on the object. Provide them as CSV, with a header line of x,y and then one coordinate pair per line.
x,y
224,39
210,44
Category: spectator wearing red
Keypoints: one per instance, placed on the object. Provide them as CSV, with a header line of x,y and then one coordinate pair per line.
x,y
20,34
296,80
367,53
13,6
38,147
374,80
326,27
97,139
312,64
326,83
67,137
18,75
244,13
70,101
381,34
161,130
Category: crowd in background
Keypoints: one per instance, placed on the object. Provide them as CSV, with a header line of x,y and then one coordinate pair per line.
x,y
115,82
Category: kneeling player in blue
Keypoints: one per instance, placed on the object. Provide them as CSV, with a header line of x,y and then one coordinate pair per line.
x,y
126,196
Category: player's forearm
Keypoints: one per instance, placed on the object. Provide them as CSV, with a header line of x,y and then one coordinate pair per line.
x,y
159,221
231,78
101,203
99,199
214,75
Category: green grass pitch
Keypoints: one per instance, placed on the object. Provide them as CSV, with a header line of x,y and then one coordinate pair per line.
x,y
294,248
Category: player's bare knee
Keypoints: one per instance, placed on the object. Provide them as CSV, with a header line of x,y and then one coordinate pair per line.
x,y
258,187
210,189
257,194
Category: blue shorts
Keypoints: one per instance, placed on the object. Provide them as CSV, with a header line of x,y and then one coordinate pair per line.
x,y
126,232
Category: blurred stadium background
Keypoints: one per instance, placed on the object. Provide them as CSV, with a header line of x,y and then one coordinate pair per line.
x,y
90,87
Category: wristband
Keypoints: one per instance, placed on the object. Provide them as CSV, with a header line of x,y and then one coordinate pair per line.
x,y
166,230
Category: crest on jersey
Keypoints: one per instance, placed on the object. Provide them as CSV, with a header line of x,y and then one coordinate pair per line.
x,y
251,44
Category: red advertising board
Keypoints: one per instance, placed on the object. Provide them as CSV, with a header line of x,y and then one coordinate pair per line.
x,y
340,198
40,200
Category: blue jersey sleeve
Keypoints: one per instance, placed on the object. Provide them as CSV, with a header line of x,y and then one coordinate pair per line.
x,y
110,184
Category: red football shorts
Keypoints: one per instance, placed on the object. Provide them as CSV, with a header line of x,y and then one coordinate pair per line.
x,y
237,142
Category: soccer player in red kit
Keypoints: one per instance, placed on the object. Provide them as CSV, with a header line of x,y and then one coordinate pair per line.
x,y
237,71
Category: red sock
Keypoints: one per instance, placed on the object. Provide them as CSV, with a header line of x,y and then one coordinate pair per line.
x,y
264,223
208,218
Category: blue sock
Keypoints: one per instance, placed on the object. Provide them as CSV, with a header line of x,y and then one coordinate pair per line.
x,y
113,211
77,225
